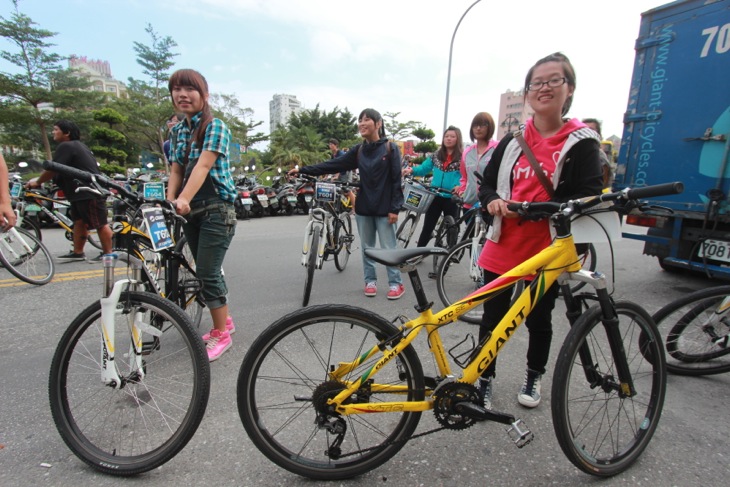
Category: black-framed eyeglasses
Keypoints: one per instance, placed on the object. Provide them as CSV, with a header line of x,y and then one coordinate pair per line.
x,y
483,125
552,83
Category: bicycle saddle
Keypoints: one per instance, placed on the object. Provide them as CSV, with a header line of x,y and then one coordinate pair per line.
x,y
394,257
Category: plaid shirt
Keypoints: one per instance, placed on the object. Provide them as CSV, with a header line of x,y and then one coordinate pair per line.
x,y
217,138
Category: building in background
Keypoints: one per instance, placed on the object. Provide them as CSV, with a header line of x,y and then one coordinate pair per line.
x,y
99,73
281,108
513,110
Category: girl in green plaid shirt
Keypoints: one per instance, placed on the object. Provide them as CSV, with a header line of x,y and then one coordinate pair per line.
x,y
203,191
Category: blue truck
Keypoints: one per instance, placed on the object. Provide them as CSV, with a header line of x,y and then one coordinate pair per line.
x,y
677,127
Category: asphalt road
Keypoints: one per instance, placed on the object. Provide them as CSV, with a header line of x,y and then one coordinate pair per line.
x,y
265,279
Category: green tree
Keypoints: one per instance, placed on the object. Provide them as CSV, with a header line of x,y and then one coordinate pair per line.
x,y
397,130
239,120
149,106
339,124
108,143
38,81
425,135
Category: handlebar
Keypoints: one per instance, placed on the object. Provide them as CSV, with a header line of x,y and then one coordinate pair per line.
x,y
578,205
313,179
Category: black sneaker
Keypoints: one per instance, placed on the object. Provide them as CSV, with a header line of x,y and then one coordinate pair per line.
x,y
97,259
71,256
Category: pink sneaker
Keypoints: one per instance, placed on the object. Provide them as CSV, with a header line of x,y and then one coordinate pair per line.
x,y
218,343
230,328
396,291
371,289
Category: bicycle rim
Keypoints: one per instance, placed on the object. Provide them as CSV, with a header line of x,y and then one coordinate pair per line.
x,y
343,236
284,379
309,268
190,289
454,280
601,433
696,331
93,239
144,424
405,231
25,257
446,236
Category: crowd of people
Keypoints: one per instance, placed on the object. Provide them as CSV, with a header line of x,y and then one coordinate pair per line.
x,y
566,151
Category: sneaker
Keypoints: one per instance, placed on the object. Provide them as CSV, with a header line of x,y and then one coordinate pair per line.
x,y
529,395
218,343
230,328
485,390
97,258
71,256
371,289
396,291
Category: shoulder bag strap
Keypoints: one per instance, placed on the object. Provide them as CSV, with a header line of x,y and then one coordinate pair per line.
x,y
533,162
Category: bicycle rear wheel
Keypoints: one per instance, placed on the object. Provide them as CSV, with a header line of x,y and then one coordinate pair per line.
x,y
458,276
309,268
343,237
283,387
146,422
697,330
447,234
25,257
601,431
405,231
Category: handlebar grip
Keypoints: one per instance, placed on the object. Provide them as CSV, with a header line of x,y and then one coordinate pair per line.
x,y
83,176
656,190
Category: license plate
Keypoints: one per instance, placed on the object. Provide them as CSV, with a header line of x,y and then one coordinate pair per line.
x,y
60,205
246,201
32,208
715,250
307,198
292,200
263,197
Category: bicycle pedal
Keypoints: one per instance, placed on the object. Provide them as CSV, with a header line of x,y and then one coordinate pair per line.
x,y
519,433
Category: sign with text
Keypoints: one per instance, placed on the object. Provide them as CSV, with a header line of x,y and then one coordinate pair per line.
x,y
154,191
157,228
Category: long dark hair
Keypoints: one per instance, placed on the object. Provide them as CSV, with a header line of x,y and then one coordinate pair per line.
x,y
376,117
195,80
568,70
443,153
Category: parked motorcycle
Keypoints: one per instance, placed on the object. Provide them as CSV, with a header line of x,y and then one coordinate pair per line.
x,y
243,202
305,195
274,206
285,194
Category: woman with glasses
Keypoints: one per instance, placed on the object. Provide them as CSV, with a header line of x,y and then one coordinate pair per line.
x,y
567,152
476,157
444,165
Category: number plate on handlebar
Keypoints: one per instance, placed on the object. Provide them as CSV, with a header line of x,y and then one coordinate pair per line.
x,y
325,192
157,229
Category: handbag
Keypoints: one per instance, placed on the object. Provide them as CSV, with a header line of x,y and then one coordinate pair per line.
x,y
533,162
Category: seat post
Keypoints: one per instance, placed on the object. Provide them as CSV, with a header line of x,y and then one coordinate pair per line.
x,y
422,300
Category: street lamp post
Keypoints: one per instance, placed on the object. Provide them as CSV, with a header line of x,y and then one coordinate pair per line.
x,y
508,122
448,74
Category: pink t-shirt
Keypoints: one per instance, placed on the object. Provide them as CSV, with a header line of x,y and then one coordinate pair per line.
x,y
521,239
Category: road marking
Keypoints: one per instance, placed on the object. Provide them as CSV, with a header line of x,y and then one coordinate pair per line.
x,y
62,277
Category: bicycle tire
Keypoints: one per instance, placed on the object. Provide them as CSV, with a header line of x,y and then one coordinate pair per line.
x,y
32,226
190,288
292,358
139,427
25,257
588,260
696,334
405,231
446,235
310,267
343,237
601,433
454,280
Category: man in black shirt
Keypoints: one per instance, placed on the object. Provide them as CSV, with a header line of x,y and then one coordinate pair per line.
x,y
87,209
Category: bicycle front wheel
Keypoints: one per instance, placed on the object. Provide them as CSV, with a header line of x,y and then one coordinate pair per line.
x,y
343,237
602,431
309,268
143,424
696,328
458,276
284,384
25,257
405,231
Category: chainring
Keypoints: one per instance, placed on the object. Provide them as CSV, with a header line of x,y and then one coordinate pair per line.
x,y
445,400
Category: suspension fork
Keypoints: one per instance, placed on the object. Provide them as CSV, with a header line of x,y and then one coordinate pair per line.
x,y
609,318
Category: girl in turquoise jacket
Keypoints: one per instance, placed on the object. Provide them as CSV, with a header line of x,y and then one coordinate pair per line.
x,y
445,165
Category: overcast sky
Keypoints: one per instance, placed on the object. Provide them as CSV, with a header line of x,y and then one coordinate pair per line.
x,y
389,55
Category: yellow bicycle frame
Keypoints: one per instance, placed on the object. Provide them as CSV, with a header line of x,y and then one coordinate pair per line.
x,y
545,267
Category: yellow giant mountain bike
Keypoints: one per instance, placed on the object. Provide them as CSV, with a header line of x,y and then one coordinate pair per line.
x,y
333,391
